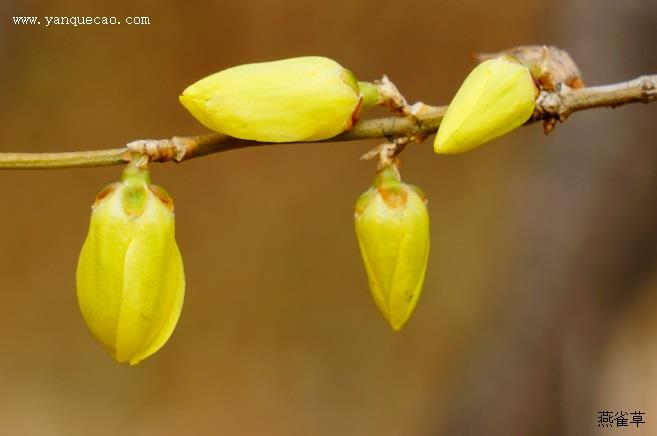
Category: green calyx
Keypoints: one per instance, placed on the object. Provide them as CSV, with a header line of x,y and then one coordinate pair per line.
x,y
134,195
133,200
349,78
370,93
136,173
391,189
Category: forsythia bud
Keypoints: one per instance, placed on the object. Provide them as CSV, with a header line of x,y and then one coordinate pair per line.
x,y
298,99
392,227
497,96
130,278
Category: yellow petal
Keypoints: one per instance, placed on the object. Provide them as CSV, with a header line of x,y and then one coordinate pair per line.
x,y
103,251
168,324
151,283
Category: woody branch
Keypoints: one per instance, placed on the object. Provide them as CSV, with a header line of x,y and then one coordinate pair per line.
x,y
422,121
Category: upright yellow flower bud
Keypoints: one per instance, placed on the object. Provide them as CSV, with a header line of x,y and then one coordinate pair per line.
x,y
298,99
130,278
392,227
497,96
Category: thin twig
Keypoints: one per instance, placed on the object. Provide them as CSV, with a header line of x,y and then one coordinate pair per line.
x,y
426,119
565,101
73,159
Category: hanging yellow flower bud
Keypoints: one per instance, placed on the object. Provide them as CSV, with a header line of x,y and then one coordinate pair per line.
x,y
130,278
497,96
392,227
298,99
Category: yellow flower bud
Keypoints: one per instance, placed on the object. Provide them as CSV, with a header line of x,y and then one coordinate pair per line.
x,y
298,99
392,227
130,278
497,96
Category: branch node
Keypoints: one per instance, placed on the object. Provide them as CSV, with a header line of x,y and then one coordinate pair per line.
x,y
551,106
392,98
648,89
420,110
161,150
183,145
386,153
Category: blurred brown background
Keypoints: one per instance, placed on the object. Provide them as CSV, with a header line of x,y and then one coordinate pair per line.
x,y
539,304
